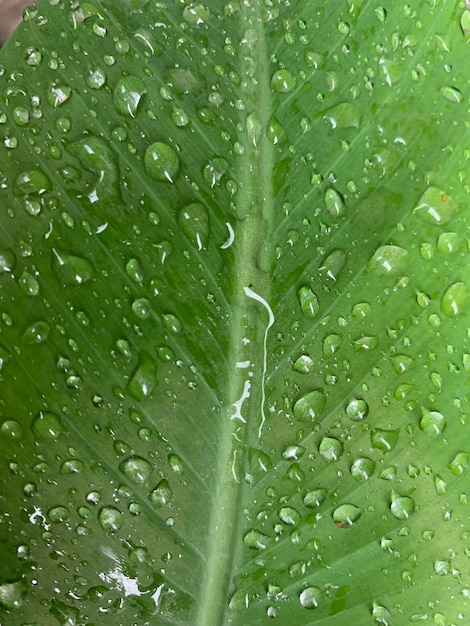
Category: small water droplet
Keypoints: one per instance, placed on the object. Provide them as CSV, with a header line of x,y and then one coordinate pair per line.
x,y
7,261
110,519
214,171
346,515
141,308
308,301
330,449
161,162
383,439
459,463
310,597
381,614
449,242
28,284
137,469
171,323
143,380
180,117
436,206
388,260
11,429
333,264
401,363
452,94
310,406
454,300
72,270
344,115
58,514
314,499
196,14
259,461
255,540
12,594
390,70
289,516
57,94
440,485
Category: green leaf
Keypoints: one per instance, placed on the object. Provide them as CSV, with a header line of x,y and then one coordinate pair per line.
x,y
234,329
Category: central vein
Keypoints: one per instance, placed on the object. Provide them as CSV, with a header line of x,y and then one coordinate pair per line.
x,y
244,416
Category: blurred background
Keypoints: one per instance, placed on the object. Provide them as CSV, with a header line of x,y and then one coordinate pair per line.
x,y
10,16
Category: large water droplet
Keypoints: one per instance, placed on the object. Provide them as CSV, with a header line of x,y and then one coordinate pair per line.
x,y
283,81
331,449
310,406
161,162
255,539
357,409
162,494
459,463
388,260
289,516
401,363
7,261
196,13
96,155
36,333
390,70
214,171
346,515
452,94
381,614
362,468
260,462
383,439
110,519
32,182
12,595
344,115
402,507
137,469
436,206
194,222
310,597
432,422
331,344
304,364
58,94
314,499
143,380
46,425
334,202
28,284
128,94
454,300
333,264
309,304
449,242
11,429
72,270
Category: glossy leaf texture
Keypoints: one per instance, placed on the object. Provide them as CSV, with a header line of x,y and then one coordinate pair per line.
x,y
234,336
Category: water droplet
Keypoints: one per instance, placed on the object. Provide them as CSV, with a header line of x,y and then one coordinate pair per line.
x,y
58,514
346,515
344,115
180,117
383,439
388,260
28,284
137,469
260,462
331,344
402,507
171,323
254,128
333,264
46,425
110,519
11,429
459,463
390,71
255,540
58,94
452,94
454,300
12,595
308,301
361,309
275,132
196,14
289,516
334,202
72,270
432,422
134,270
96,78
161,162
194,222
72,466
365,343
96,155
440,485
143,380
309,406
141,308
314,499
436,206
283,81
330,449
449,243
304,364
357,409
128,95
381,614
176,464
401,363
32,182
162,494
36,333
214,171
7,261
363,468
310,597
